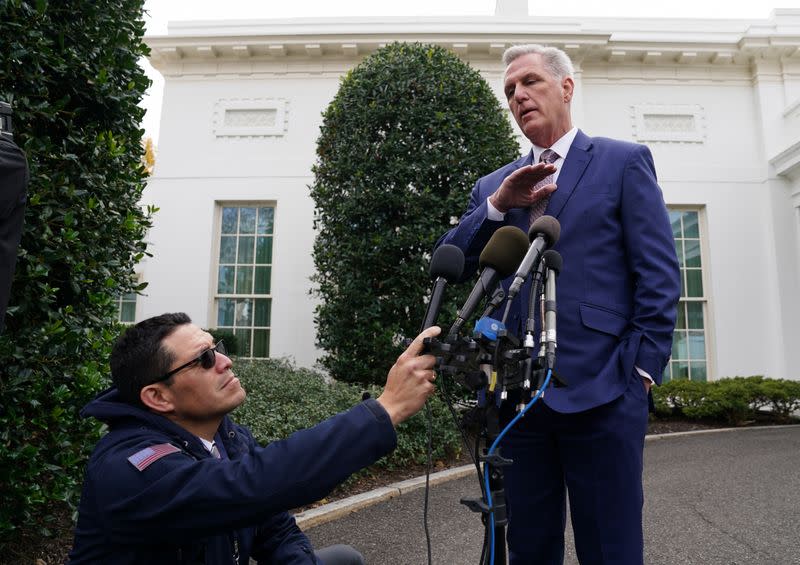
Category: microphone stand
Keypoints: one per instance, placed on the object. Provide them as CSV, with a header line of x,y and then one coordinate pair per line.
x,y
490,363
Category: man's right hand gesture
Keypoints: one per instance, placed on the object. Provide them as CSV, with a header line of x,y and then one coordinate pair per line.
x,y
410,380
516,191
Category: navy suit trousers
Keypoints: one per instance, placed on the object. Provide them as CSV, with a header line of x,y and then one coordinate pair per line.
x,y
595,455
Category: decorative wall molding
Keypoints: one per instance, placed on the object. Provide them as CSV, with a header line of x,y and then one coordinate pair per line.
x,y
669,122
787,162
675,42
250,117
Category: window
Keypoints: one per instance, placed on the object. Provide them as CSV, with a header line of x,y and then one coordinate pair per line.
x,y
243,299
689,343
126,308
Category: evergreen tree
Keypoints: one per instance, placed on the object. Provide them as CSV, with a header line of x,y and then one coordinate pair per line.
x,y
408,133
70,70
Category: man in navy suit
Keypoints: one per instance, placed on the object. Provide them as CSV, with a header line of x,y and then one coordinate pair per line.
x,y
617,296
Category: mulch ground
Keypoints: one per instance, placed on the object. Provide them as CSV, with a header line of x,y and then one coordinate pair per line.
x,y
52,550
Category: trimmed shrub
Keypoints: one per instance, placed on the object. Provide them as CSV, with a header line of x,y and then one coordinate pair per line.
x,y
674,397
736,401
406,136
782,396
70,71
282,399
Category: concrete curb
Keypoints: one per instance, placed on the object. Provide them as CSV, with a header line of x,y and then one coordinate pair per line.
x,y
656,437
334,510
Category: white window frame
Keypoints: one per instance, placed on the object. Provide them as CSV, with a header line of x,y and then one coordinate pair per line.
x,y
214,295
136,304
706,300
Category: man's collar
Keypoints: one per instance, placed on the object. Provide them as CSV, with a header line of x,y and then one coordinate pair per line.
x,y
561,146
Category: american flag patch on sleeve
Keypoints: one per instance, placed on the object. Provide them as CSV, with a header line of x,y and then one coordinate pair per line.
x,y
149,455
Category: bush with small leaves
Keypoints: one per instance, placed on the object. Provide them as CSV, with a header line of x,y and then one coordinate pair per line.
x,y
70,71
282,399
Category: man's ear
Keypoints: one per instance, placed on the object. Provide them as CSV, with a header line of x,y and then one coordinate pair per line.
x,y
568,86
157,397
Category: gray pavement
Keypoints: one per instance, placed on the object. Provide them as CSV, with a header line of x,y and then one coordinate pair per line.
x,y
720,498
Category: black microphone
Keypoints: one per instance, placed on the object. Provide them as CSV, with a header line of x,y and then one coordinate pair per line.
x,y
543,234
499,258
447,264
553,261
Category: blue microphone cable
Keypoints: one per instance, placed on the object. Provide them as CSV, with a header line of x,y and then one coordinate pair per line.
x,y
494,447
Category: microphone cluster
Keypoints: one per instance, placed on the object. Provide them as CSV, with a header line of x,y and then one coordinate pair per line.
x,y
477,360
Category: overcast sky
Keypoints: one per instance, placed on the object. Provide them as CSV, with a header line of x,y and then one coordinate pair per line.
x,y
159,12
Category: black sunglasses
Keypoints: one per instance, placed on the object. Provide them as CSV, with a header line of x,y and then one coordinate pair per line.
x,y
207,359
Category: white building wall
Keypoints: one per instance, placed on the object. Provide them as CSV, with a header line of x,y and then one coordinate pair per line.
x,y
196,170
742,170
723,174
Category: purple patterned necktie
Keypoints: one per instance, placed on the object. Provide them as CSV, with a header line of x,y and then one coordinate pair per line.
x,y
537,209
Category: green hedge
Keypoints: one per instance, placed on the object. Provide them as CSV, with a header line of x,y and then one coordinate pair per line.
x,y
70,71
282,399
736,400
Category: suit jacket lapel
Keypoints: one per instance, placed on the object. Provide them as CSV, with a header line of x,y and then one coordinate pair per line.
x,y
571,172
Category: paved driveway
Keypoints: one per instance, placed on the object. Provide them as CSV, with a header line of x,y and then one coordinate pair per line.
x,y
723,498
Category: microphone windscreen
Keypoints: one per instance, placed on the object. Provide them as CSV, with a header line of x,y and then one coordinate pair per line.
x,y
505,250
553,260
547,226
447,262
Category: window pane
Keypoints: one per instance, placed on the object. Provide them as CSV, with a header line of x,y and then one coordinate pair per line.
x,y
225,312
690,228
698,371
697,345
244,280
264,251
247,220
128,312
695,310
265,220
243,341
244,271
680,370
262,312
692,247
129,297
681,323
229,220
694,283
680,349
665,377
225,285
675,220
260,343
263,275
688,345
245,250
227,249
244,313
679,251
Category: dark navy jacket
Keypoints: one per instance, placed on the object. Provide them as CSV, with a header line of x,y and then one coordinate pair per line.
x,y
620,282
188,507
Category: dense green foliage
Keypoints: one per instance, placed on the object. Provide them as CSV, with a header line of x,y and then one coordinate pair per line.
x,y
70,71
405,138
282,399
735,401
